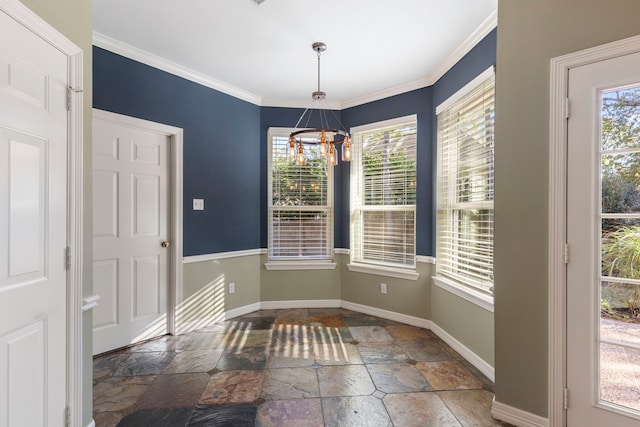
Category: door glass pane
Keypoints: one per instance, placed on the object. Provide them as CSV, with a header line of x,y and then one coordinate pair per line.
x,y
619,368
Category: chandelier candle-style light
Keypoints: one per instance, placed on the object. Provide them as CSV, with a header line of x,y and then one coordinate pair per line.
x,y
326,137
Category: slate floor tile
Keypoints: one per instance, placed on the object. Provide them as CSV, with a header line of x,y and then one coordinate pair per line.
x,y
355,411
157,417
227,415
290,383
298,413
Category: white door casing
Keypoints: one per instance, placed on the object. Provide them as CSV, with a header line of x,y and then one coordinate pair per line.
x,y
585,364
134,274
40,152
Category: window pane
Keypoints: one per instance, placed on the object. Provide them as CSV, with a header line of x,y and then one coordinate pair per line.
x,y
621,248
388,237
466,188
621,183
620,124
300,203
299,234
383,194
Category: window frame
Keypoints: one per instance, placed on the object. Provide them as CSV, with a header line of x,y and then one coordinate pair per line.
x,y
478,292
357,262
320,262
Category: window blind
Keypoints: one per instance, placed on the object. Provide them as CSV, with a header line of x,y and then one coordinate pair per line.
x,y
383,193
300,203
466,188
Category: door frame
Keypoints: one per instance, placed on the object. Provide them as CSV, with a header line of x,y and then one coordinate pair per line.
x,y
175,135
74,54
559,110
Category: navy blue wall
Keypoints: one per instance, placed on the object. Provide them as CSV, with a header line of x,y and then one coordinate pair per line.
x,y
222,163
225,145
414,102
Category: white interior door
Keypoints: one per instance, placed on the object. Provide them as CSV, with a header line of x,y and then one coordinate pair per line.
x,y
603,232
130,226
33,228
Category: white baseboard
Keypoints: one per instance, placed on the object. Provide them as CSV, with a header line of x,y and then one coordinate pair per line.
x,y
465,352
316,303
516,416
241,311
386,314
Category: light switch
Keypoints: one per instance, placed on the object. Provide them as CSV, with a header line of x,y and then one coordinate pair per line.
x,y
198,204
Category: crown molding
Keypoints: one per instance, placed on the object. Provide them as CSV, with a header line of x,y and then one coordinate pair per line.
x,y
293,103
481,32
386,93
131,52
155,61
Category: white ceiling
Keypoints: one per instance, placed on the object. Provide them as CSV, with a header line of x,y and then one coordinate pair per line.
x,y
262,53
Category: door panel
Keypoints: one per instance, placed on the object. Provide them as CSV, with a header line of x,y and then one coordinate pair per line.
x,y
33,229
131,211
603,232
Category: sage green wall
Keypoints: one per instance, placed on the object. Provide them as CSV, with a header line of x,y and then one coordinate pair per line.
x,y
467,322
410,297
205,293
73,19
530,33
299,284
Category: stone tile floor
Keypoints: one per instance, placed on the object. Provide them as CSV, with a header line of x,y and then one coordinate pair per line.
x,y
299,367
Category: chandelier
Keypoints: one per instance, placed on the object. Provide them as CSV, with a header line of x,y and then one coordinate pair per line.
x,y
326,137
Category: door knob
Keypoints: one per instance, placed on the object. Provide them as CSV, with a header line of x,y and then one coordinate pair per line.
x,y
165,244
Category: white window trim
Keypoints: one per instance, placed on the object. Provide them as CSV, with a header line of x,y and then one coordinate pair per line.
x,y
362,267
303,262
398,273
465,292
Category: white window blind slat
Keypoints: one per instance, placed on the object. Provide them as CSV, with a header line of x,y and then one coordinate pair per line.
x,y
466,187
383,193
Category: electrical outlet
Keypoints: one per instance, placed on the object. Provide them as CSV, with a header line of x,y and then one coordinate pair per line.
x,y
383,288
232,287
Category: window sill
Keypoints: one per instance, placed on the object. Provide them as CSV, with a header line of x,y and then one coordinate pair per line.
x,y
300,265
384,271
465,292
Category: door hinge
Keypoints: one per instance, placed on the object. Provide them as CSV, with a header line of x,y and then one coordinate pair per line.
x,y
566,253
565,398
67,416
566,108
70,92
67,258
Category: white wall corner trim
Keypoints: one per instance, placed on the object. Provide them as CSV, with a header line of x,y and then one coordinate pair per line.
x,y
386,314
426,259
516,416
222,255
299,265
317,303
465,352
464,292
557,325
384,271
131,52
